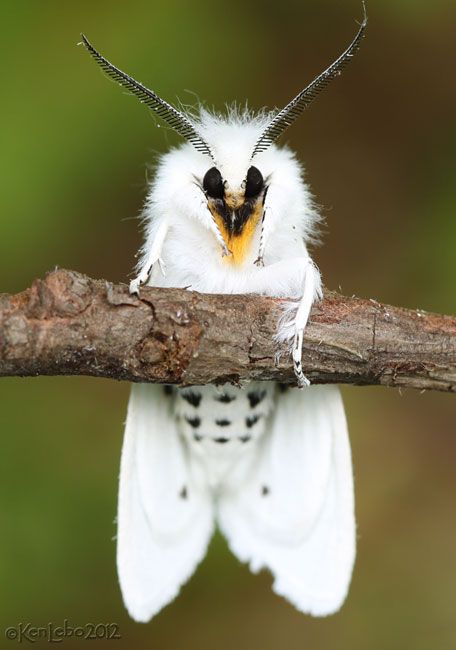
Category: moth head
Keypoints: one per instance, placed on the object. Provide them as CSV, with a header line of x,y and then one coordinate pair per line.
x,y
236,207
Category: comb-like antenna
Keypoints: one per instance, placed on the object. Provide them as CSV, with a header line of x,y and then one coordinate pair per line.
x,y
177,120
287,115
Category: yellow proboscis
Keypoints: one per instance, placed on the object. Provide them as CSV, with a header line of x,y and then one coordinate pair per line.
x,y
239,244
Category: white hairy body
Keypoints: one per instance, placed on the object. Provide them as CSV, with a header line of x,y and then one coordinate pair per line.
x,y
274,473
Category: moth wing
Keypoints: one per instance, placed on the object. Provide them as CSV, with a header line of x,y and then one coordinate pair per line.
x,y
165,515
293,512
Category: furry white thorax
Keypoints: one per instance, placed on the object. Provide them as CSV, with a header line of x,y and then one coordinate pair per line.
x,y
191,253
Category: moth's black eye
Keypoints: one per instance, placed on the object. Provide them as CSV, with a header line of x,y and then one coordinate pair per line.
x,y
213,183
254,182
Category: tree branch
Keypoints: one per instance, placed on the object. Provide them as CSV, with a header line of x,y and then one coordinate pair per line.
x,y
69,324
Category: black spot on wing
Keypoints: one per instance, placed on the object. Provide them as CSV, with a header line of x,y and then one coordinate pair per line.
x,y
245,438
225,398
193,422
223,423
221,441
255,397
192,398
251,420
265,490
184,492
197,437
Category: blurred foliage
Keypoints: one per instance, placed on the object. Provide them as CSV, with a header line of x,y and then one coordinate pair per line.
x,y
379,148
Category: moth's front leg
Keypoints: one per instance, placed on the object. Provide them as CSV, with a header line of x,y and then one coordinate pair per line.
x,y
311,291
197,207
297,277
275,202
152,256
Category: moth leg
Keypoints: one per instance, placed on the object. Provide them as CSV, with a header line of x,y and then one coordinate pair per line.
x,y
204,215
268,222
260,259
212,226
310,289
294,277
152,257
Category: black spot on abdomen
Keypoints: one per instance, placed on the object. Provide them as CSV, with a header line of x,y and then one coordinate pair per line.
x,y
223,423
225,398
255,397
193,422
251,420
192,398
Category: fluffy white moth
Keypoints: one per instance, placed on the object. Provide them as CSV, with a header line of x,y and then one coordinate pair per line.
x,y
229,212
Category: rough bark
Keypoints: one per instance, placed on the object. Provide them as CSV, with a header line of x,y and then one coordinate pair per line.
x,y
70,324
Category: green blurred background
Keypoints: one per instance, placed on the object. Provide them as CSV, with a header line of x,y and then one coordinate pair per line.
x,y
379,148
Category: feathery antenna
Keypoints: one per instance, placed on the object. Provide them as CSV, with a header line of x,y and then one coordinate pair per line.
x,y
176,120
288,115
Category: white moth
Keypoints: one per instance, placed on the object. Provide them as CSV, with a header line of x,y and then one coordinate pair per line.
x,y
229,212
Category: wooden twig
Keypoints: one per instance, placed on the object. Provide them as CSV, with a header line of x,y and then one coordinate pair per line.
x,y
70,324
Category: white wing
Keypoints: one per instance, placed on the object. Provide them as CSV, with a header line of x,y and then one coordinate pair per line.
x,y
294,514
165,516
